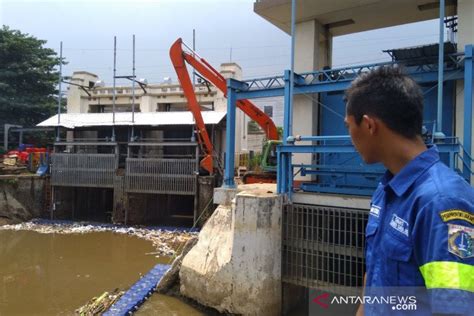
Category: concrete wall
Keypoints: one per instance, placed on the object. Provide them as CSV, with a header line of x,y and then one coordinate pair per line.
x,y
21,198
312,52
465,37
255,142
233,70
236,265
77,101
205,201
343,17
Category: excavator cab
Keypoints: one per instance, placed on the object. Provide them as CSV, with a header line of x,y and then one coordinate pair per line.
x,y
268,165
269,157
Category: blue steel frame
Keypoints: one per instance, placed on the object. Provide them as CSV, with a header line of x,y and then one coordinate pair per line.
x,y
468,82
338,79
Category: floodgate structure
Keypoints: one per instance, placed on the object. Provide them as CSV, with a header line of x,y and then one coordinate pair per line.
x,y
323,187
134,162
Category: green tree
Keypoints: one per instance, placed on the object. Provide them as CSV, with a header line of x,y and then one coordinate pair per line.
x,y
28,78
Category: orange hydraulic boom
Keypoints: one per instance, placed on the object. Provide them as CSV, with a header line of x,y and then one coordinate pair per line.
x,y
179,59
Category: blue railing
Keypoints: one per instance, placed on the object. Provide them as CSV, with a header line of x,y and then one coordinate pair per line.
x,y
344,177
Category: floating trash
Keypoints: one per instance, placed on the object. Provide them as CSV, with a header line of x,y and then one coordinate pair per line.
x,y
165,240
98,305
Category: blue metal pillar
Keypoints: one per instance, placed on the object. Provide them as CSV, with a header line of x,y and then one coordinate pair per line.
x,y
439,116
282,176
279,171
468,86
230,137
287,169
289,175
287,115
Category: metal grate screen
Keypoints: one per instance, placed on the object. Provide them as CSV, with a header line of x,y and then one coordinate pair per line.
x,y
323,247
83,170
163,176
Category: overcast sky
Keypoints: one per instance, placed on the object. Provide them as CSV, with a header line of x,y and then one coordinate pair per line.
x,y
87,28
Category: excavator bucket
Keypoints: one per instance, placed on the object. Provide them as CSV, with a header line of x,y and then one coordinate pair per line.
x,y
206,163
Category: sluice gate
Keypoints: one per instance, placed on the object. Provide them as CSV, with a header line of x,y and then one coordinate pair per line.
x,y
83,170
323,247
163,175
135,182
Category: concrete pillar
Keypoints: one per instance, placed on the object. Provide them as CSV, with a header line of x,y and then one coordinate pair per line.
x,y
120,199
313,50
158,136
147,104
235,266
90,135
77,99
465,36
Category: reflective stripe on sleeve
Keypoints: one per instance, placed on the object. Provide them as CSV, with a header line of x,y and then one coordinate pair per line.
x,y
448,275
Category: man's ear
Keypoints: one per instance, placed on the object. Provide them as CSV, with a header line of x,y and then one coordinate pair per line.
x,y
370,124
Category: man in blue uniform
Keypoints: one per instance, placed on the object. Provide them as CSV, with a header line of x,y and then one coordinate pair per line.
x,y
420,233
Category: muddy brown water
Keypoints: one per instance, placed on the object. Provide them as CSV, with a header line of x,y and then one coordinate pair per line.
x,y
53,274
160,305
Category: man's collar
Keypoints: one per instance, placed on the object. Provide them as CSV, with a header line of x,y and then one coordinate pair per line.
x,y
412,171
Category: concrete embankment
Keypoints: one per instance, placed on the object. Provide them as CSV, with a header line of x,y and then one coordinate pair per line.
x,y
235,267
22,197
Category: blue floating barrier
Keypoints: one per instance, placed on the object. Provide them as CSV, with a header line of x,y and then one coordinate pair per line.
x,y
138,292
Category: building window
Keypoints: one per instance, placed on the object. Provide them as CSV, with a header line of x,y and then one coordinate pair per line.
x,y
163,107
268,110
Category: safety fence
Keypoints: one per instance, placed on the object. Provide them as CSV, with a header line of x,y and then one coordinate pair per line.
x,y
323,247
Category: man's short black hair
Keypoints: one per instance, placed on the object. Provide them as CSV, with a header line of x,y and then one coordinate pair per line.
x,y
391,96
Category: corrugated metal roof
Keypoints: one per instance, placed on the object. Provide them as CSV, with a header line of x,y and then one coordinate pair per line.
x,y
74,120
423,54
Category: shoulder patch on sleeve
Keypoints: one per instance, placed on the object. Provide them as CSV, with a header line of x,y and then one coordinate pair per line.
x,y
450,215
461,241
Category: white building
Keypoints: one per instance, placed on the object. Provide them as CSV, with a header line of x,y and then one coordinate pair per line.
x,y
87,94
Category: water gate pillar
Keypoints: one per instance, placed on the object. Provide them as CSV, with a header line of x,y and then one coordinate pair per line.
x,y
236,265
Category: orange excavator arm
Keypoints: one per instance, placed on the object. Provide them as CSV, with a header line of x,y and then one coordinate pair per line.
x,y
179,59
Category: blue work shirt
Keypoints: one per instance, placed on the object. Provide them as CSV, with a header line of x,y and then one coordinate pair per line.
x,y
420,235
